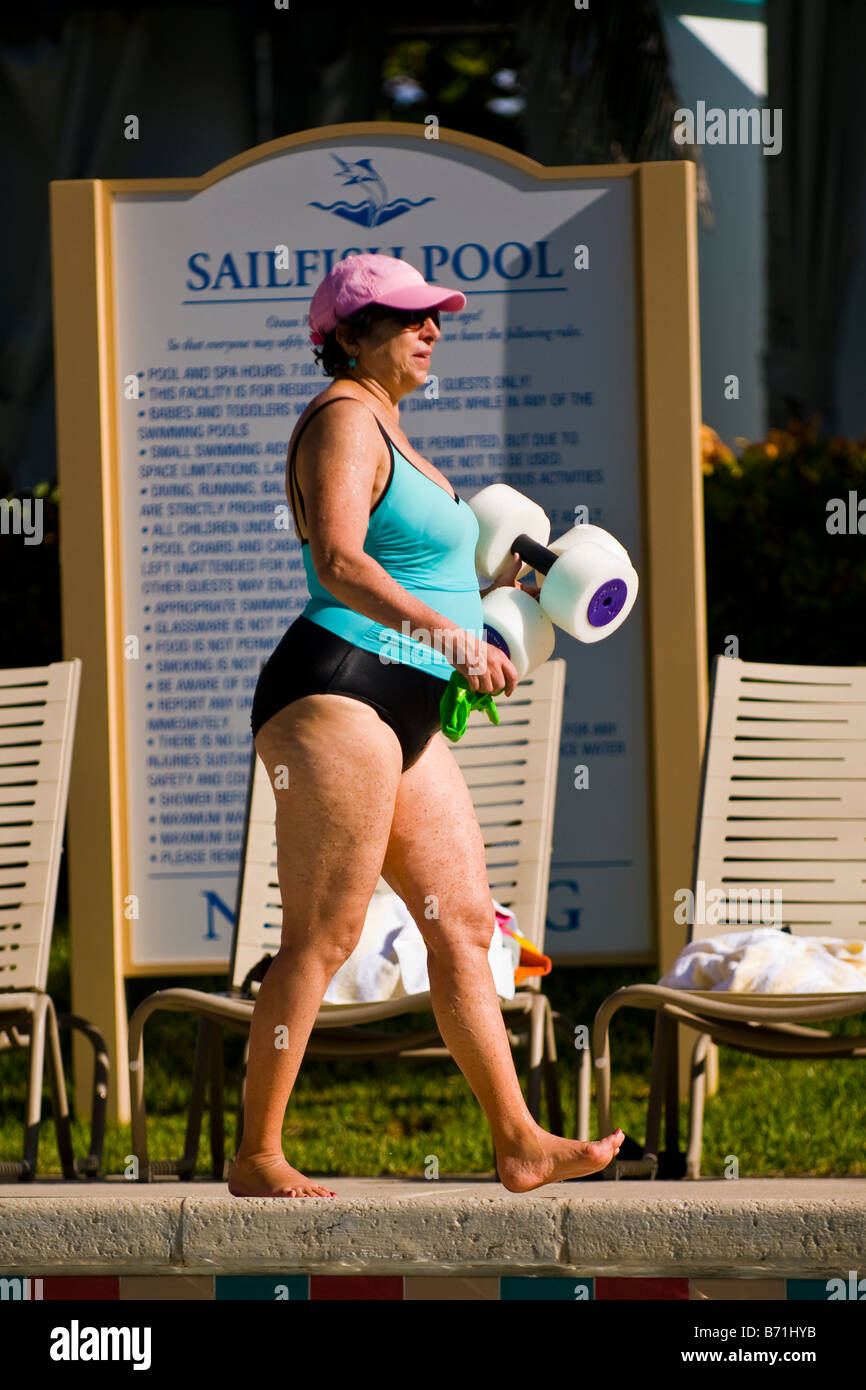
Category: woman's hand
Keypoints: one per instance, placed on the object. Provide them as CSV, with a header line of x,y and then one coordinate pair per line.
x,y
487,669
509,579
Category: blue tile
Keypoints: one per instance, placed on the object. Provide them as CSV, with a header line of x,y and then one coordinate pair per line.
x,y
567,1288
847,1286
270,1288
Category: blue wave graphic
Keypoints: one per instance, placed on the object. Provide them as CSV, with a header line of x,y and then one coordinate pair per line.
x,y
368,214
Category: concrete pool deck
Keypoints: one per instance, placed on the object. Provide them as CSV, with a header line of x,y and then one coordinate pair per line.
x,y
739,1229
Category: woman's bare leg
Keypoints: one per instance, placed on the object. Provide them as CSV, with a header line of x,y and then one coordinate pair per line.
x,y
435,861
332,824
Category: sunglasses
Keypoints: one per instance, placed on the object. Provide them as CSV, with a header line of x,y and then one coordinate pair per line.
x,y
415,318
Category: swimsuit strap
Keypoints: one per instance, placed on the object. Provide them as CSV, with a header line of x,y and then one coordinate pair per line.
x,y
294,486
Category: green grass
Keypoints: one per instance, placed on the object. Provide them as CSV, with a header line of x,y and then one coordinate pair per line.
x,y
779,1118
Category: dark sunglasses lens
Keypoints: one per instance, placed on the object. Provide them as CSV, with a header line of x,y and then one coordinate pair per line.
x,y
413,318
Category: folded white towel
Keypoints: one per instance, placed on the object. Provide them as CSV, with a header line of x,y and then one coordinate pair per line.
x,y
769,961
390,959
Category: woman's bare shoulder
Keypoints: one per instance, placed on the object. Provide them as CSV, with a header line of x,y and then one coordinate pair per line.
x,y
335,392
356,430
345,439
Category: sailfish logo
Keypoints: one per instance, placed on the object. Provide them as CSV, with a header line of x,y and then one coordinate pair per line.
x,y
375,208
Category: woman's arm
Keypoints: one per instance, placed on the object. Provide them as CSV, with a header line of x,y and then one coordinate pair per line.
x,y
337,472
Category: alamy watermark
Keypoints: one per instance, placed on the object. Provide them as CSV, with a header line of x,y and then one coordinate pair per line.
x,y
19,518
846,517
737,126
77,1343
448,642
751,905
22,1290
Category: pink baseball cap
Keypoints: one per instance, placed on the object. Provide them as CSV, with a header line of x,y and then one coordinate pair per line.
x,y
368,278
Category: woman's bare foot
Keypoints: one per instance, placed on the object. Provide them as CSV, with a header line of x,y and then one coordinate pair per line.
x,y
548,1158
267,1175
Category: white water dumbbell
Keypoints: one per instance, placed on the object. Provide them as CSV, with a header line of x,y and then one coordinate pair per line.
x,y
586,580
588,532
587,583
503,514
580,535
514,622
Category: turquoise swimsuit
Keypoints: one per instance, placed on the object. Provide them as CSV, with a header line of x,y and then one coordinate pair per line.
x,y
425,537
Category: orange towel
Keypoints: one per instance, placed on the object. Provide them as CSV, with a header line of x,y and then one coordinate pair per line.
x,y
532,961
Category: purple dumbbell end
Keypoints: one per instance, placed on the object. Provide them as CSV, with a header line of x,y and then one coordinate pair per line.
x,y
607,602
495,639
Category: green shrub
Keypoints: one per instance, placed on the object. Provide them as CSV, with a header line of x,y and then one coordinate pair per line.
x,y
777,579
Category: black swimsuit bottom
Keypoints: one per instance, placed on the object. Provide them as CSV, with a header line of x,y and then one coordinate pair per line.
x,y
311,660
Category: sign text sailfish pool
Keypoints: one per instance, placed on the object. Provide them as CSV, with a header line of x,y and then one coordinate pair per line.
x,y
470,262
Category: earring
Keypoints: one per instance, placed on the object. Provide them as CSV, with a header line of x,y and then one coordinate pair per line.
x,y
352,361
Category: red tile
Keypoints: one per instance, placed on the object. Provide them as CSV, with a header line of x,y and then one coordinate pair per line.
x,y
72,1287
366,1286
642,1288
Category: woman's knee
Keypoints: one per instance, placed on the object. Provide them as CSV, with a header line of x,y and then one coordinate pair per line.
x,y
330,935
459,929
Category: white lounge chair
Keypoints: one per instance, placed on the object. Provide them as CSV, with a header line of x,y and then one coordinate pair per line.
x,y
38,707
782,806
511,773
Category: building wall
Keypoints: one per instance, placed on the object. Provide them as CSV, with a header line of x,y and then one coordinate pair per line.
x,y
731,252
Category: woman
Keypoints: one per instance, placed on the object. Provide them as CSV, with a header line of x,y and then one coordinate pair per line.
x,y
344,717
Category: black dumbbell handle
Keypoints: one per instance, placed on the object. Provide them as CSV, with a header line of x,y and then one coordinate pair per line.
x,y
534,554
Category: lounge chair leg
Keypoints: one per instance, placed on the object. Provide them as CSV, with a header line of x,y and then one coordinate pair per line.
x,y
647,1166
203,1040
696,1107
584,1094
582,1075
536,1057
34,1090
92,1164
551,1075
657,1083
601,1067
673,1166
672,1090
242,1095
136,1090
59,1099
217,1113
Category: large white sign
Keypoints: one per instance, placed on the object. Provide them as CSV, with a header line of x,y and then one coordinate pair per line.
x,y
536,385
